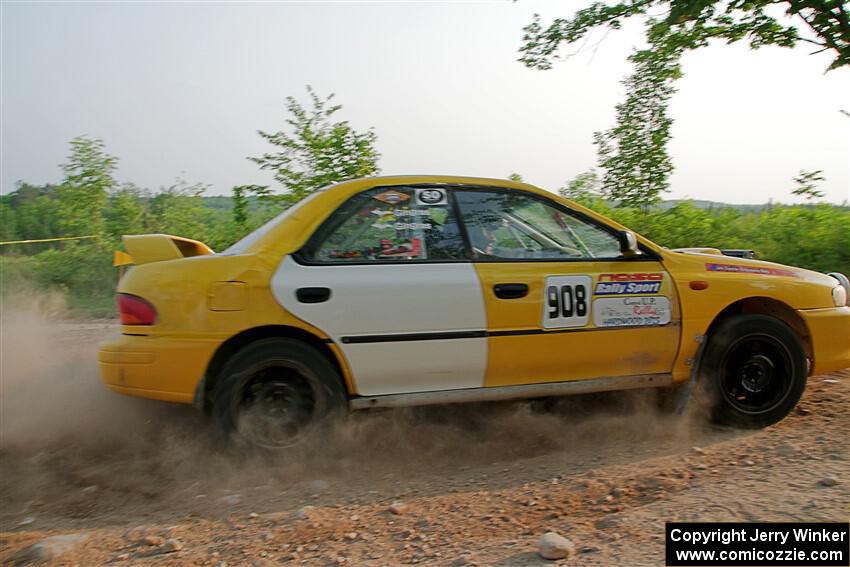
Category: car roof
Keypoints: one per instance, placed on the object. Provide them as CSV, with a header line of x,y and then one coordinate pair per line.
x,y
381,180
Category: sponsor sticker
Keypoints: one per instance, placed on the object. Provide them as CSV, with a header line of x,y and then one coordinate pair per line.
x,y
412,213
401,219
629,284
430,197
411,226
631,288
632,277
391,196
735,269
408,249
631,311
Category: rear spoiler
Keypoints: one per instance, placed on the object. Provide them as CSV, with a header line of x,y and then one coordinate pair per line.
x,y
750,254
147,248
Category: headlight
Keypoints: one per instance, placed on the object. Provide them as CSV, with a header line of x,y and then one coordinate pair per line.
x,y
840,293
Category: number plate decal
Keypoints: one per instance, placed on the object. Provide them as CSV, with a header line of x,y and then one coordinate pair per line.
x,y
566,301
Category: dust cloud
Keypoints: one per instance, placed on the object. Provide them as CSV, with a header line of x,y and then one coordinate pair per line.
x,y
74,453
50,387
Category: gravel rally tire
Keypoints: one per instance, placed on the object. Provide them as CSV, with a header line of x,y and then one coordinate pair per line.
x,y
274,391
754,370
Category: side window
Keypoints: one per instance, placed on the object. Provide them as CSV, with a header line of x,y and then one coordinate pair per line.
x,y
395,224
512,225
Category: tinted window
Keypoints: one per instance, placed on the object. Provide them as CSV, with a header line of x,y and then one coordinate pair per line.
x,y
397,224
512,225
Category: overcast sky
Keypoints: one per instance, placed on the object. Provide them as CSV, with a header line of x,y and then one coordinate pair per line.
x,y
180,89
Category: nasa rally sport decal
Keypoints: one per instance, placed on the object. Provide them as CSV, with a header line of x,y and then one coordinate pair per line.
x,y
629,284
430,196
630,300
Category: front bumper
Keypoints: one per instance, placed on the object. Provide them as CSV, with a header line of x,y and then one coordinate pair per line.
x,y
830,334
166,369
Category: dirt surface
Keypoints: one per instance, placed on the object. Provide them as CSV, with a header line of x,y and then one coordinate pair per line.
x,y
94,478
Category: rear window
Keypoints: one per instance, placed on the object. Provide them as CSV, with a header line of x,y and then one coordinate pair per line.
x,y
243,245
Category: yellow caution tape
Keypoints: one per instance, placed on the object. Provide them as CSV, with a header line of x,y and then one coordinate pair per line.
x,y
48,239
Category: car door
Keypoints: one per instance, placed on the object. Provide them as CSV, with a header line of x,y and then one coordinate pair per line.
x,y
388,278
561,301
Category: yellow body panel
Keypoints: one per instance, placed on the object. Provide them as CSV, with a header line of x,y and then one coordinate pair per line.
x,y
153,367
204,299
555,355
236,297
830,329
799,290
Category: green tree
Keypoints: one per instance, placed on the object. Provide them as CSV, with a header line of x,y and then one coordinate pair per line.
x,y
314,151
811,236
690,24
125,212
584,188
246,212
8,222
241,203
84,191
179,210
807,182
35,212
633,153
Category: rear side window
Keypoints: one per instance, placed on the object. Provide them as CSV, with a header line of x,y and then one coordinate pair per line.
x,y
390,225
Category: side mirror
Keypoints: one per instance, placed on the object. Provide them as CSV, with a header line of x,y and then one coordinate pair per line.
x,y
628,243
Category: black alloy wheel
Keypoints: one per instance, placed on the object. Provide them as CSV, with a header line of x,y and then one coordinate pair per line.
x,y
275,391
754,368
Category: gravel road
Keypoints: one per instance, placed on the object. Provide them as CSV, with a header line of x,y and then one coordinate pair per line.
x,y
88,477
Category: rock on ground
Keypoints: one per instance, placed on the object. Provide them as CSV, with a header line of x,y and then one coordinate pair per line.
x,y
554,546
48,549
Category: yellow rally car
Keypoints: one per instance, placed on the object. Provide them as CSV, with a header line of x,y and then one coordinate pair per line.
x,y
403,291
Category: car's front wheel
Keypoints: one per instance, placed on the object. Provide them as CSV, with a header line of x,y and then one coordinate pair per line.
x,y
274,391
754,369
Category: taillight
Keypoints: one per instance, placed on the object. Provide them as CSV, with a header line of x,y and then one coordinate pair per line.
x,y
135,310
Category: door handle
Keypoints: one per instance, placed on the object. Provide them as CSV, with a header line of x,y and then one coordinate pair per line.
x,y
313,294
510,290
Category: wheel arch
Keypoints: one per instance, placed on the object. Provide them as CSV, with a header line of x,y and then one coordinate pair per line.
x,y
204,397
771,308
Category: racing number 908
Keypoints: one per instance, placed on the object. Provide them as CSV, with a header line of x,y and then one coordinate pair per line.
x,y
566,302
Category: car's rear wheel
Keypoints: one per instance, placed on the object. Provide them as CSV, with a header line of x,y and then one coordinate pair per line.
x,y
754,369
275,391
